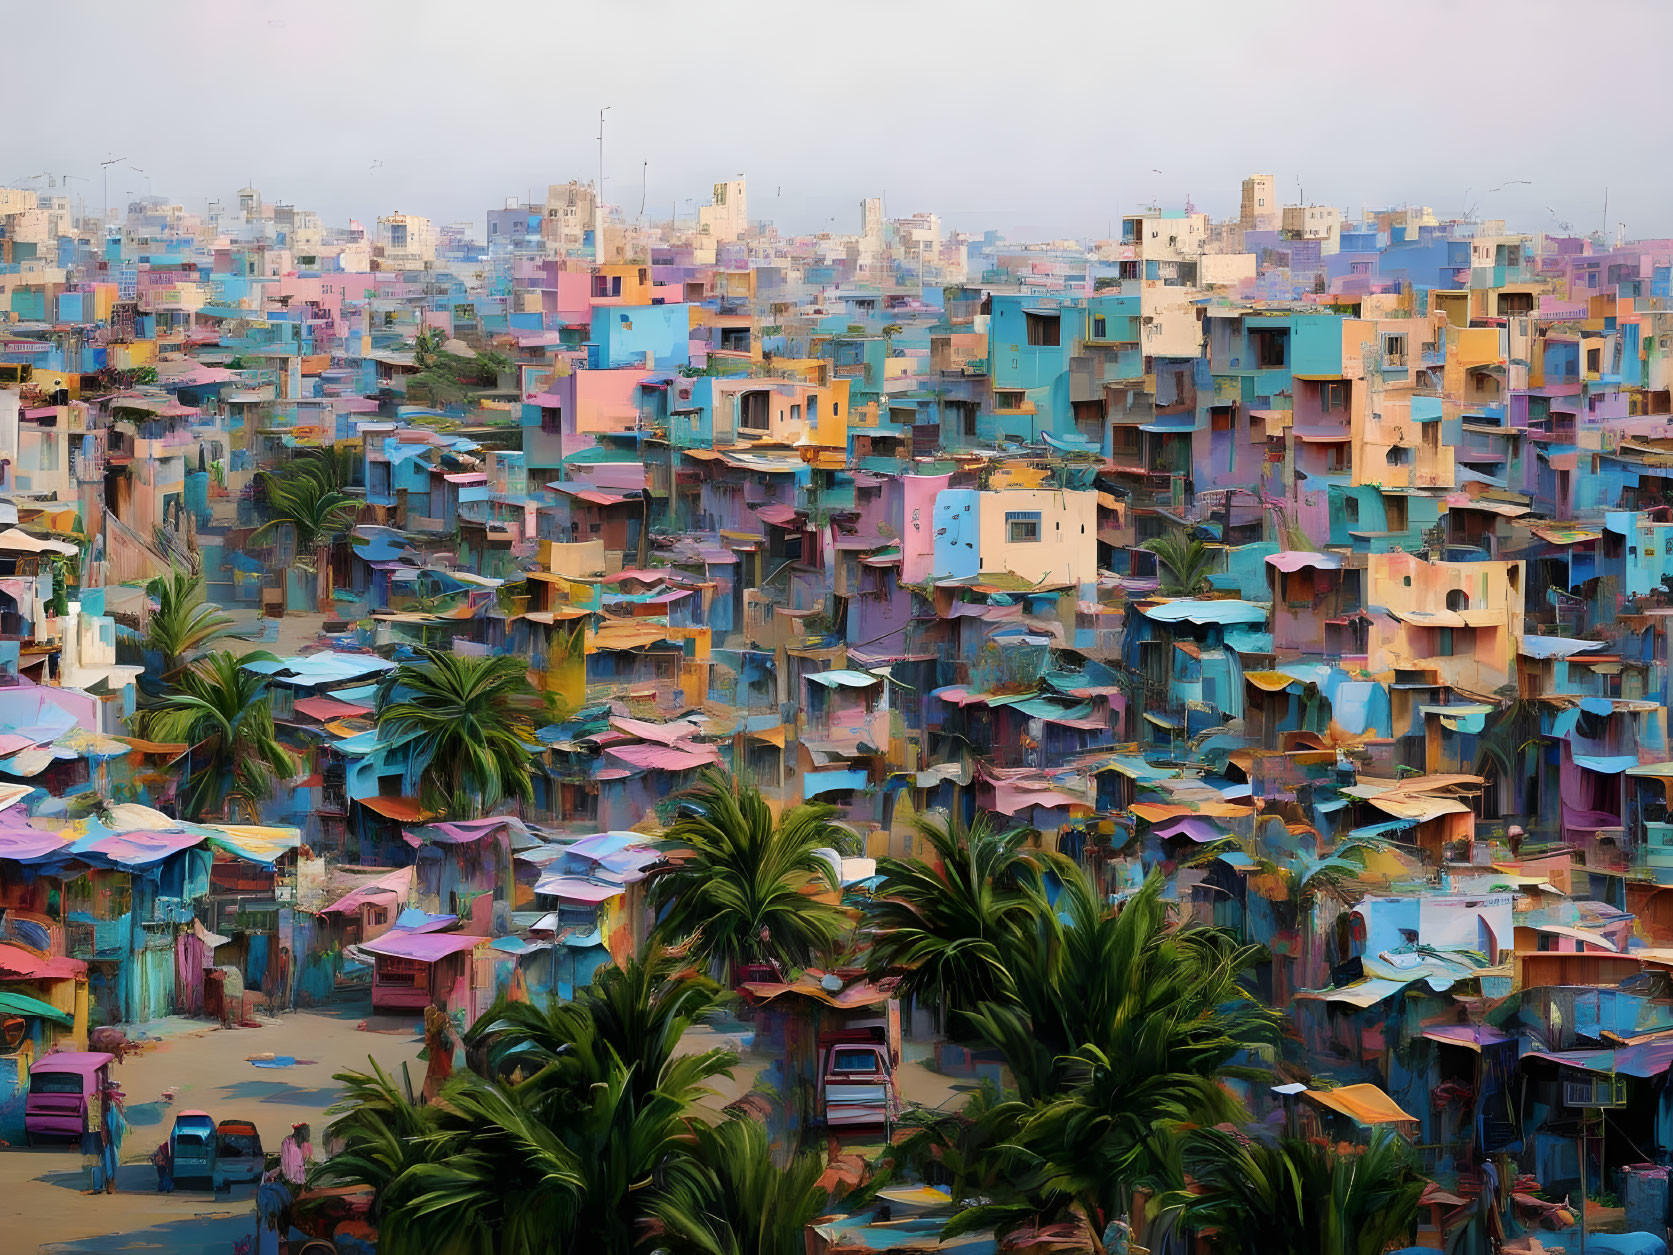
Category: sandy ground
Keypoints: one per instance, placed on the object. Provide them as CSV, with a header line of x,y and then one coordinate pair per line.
x,y
294,634
207,1068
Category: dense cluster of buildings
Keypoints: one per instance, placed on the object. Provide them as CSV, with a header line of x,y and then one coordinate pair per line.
x,y
1220,547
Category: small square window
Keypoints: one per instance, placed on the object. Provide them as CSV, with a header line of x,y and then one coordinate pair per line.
x,y
1022,526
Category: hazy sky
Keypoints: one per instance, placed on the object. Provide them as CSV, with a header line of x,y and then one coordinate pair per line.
x,y
1038,117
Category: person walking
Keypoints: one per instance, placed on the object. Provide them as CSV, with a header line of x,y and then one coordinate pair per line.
x,y
162,1159
296,1152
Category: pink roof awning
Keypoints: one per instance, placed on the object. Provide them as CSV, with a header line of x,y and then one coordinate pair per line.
x,y
397,884
664,758
22,964
661,733
421,947
327,708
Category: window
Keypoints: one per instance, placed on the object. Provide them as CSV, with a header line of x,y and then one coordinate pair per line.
x,y
752,411
1098,327
1334,396
1271,348
1457,599
1022,526
1007,400
1394,351
1350,509
1399,455
1044,329
1594,360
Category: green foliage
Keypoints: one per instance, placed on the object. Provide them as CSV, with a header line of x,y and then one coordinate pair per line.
x,y
947,923
744,890
1116,1025
307,496
474,1173
577,1130
738,1201
185,621
222,711
1509,744
1291,1196
444,378
477,718
1186,561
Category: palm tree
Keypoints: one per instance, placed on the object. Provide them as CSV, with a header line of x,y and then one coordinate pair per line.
x,y
304,498
1291,1196
474,1173
1187,561
1511,745
477,717
739,1202
604,1072
185,620
1122,1027
745,891
636,1013
221,710
593,1094
948,922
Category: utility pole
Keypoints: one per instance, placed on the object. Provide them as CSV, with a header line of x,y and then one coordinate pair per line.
x,y
105,212
598,199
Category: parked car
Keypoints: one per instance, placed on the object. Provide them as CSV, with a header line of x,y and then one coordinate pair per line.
x,y
194,1145
238,1155
856,1080
59,1088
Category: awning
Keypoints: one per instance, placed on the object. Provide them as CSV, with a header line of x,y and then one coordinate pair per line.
x,y
1362,993
421,947
1470,1036
1364,1104
579,889
1294,560
23,1004
843,679
326,708
1576,934
1642,1061
405,809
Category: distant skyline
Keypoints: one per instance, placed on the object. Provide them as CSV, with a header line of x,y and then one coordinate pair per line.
x,y
1046,120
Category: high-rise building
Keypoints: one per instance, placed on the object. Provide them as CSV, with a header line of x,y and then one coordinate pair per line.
x,y
728,217
1260,203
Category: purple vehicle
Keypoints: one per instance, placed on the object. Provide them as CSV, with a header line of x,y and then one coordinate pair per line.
x,y
59,1087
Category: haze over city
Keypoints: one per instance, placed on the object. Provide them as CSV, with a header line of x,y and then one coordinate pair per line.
x,y
1035,630
1044,122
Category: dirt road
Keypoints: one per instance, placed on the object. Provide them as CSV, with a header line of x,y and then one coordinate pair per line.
x,y
41,1207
